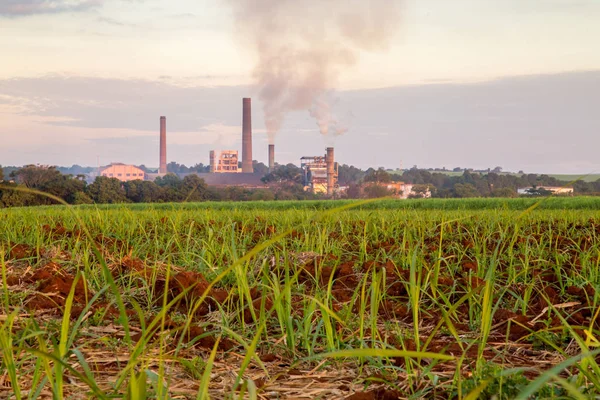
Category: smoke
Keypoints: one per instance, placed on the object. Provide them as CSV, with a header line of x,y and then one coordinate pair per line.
x,y
302,47
328,121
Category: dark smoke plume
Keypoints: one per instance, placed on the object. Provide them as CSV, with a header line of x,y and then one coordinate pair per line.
x,y
302,46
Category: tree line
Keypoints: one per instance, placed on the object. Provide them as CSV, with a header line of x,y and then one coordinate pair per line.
x,y
20,187
284,183
468,184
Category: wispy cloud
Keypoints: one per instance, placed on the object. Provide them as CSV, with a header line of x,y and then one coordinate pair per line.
x,y
20,8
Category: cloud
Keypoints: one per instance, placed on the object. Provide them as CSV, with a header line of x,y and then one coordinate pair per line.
x,y
20,8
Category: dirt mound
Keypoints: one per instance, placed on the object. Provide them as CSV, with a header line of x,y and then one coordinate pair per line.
x,y
193,286
53,285
21,251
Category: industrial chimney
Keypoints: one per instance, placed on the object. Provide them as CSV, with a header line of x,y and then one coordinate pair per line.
x,y
329,159
213,164
247,136
271,157
162,169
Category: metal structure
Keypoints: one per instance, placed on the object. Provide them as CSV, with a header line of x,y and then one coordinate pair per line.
x,y
247,166
320,173
225,162
163,146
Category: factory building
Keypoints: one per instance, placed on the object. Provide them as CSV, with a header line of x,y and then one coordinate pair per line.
x,y
225,164
226,168
122,172
320,173
224,161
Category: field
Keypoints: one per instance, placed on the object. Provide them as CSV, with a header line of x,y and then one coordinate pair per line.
x,y
378,300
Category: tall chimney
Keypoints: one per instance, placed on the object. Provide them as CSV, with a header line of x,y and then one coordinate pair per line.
x,y
162,169
213,163
329,159
247,136
271,157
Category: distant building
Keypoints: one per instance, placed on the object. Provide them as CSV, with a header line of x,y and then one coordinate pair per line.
x,y
554,189
319,172
406,190
225,161
403,190
122,172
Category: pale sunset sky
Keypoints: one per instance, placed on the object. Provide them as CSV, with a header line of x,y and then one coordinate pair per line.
x,y
469,83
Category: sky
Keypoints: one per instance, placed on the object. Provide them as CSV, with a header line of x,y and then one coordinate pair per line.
x,y
466,83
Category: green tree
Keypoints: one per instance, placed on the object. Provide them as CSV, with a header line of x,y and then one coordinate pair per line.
x,y
176,168
106,190
234,193
262,194
379,175
193,188
538,191
420,191
149,192
64,186
169,180
504,192
131,190
49,180
348,174
35,177
285,173
82,198
171,187
354,191
260,168
1,174
374,191
464,190
139,191
285,195
17,198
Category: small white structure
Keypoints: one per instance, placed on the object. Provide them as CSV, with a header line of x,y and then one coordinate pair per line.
x,y
554,189
403,190
408,190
